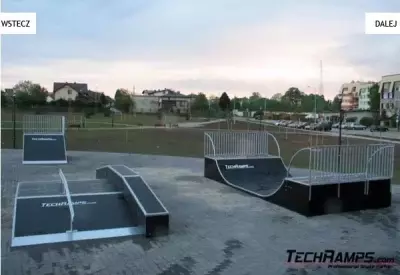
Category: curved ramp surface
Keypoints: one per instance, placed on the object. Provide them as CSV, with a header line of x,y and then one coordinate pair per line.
x,y
258,176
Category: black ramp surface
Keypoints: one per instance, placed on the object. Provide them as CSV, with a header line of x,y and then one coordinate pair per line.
x,y
260,175
148,200
44,148
123,170
38,216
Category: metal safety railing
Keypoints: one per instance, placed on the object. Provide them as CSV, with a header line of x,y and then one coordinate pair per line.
x,y
239,144
68,195
346,163
43,124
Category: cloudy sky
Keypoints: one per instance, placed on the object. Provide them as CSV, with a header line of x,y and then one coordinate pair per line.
x,y
208,46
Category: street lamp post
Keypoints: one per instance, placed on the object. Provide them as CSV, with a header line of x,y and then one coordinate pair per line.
x,y
341,117
14,120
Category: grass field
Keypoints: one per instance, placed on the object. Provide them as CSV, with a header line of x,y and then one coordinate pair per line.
x,y
100,121
188,142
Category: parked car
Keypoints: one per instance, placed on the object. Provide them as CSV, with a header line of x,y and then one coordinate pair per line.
x,y
346,125
302,125
311,126
356,126
378,128
336,125
323,126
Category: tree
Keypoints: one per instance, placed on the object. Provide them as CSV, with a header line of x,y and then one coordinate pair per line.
x,y
38,95
336,104
28,94
103,100
124,101
200,102
24,86
374,98
224,102
225,106
293,96
277,97
374,102
3,99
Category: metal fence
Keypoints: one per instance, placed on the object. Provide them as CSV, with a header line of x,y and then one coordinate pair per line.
x,y
231,144
347,163
43,124
68,196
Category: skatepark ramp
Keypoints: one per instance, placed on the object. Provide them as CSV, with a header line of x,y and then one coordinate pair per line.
x,y
337,178
44,140
117,203
342,178
243,160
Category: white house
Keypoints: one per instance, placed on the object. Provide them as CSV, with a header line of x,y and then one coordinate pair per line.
x,y
146,103
68,91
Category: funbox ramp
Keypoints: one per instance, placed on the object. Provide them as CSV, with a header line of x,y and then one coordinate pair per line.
x,y
117,203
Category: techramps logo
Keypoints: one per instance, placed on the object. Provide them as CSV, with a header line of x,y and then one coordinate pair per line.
x,y
238,166
65,203
44,139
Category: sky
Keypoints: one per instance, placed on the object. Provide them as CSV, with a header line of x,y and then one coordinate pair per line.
x,y
193,46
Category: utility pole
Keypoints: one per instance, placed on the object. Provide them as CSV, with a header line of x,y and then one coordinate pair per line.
x,y
14,117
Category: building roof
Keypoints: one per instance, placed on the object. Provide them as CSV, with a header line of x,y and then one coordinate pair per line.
x,y
78,87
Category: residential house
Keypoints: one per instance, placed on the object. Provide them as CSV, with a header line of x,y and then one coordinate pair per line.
x,y
69,91
389,90
146,103
168,100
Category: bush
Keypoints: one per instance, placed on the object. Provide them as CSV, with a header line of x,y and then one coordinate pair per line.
x,y
367,121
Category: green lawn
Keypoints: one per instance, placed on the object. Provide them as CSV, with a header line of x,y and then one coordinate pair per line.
x,y
100,121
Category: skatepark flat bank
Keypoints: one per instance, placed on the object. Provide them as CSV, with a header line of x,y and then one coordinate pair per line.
x,y
215,229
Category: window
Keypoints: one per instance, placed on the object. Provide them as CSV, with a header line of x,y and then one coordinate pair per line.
x,y
396,86
69,91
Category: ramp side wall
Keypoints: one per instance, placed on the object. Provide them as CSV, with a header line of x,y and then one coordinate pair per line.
x,y
152,222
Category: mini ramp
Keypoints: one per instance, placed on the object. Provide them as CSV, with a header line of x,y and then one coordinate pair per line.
x,y
117,203
260,177
44,140
338,178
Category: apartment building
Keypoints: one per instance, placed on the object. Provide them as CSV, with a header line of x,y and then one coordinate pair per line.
x,y
389,90
363,96
355,95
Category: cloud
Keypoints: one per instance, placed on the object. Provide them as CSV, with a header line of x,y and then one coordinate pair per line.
x,y
208,46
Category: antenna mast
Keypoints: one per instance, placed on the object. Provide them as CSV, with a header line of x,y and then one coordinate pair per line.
x,y
321,85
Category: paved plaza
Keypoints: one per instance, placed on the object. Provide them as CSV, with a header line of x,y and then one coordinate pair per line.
x,y
214,229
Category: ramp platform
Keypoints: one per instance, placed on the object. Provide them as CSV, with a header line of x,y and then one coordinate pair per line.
x,y
44,149
105,207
